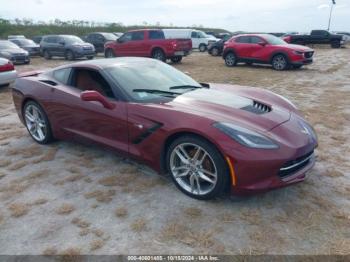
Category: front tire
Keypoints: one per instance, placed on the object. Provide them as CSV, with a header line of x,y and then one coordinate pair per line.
x,y
335,44
47,55
37,123
197,167
230,59
202,48
70,55
176,59
215,51
280,62
109,53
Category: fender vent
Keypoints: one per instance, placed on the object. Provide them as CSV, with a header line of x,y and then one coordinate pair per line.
x,y
257,108
49,82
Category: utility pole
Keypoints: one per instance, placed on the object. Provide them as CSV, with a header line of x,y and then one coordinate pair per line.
x,y
330,15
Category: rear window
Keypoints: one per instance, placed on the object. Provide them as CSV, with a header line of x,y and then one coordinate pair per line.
x,y
156,34
62,75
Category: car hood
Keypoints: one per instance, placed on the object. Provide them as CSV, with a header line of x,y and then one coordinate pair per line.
x,y
223,104
14,50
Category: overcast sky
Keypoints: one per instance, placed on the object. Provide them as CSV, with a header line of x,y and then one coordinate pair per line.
x,y
233,15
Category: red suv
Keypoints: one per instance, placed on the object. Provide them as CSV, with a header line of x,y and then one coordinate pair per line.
x,y
149,43
266,49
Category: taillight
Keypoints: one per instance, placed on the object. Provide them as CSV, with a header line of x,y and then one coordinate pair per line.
x,y
174,43
7,67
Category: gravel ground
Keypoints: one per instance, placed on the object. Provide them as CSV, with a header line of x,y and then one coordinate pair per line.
x,y
67,198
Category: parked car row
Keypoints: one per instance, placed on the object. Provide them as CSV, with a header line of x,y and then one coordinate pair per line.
x,y
7,72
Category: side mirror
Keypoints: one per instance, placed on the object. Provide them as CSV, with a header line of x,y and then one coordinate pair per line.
x,y
97,97
120,41
262,43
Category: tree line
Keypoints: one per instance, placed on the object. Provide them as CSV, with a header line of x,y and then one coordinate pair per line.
x,y
30,28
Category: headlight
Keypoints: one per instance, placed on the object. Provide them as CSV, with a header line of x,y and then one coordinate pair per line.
x,y
298,52
245,136
308,129
6,54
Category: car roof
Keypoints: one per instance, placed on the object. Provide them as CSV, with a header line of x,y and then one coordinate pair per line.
x,y
109,62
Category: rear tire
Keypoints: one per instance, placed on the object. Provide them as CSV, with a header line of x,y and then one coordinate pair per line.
x,y
90,57
35,118
280,62
297,66
158,54
176,59
109,53
202,48
209,169
230,59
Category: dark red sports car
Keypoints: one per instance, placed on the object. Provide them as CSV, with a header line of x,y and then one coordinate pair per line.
x,y
209,137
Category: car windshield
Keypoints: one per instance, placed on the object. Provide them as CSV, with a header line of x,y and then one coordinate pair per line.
x,y
25,42
73,39
7,45
203,35
110,36
274,40
148,80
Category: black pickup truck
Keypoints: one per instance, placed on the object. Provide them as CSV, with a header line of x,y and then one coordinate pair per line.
x,y
316,37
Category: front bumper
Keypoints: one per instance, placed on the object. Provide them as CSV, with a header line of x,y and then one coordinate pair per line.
x,y
8,77
259,170
305,61
20,59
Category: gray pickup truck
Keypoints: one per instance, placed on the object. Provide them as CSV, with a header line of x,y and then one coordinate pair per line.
x,y
317,37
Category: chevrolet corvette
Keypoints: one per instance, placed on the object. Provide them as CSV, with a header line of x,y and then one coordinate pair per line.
x,y
210,138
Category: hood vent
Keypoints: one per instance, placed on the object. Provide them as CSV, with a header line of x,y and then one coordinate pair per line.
x,y
257,108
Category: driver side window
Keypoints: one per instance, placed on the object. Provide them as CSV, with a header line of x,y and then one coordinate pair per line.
x,y
85,79
126,37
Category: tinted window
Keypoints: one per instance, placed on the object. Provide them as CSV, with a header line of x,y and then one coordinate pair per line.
x,y
136,36
51,39
194,35
126,37
243,39
156,34
62,75
256,40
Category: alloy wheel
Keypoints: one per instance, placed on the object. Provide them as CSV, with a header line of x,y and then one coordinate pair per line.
x,y
230,59
279,62
158,54
193,169
215,51
36,123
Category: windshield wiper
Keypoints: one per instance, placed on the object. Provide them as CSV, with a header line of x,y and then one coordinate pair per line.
x,y
185,87
156,91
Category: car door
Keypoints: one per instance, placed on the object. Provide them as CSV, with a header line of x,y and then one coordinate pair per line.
x,y
60,46
195,37
99,42
242,47
88,121
137,43
123,45
258,49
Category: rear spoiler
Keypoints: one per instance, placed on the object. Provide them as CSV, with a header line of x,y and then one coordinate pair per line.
x,y
31,73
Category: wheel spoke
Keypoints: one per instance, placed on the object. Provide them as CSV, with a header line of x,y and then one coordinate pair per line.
x,y
29,117
182,154
192,183
206,178
35,113
183,174
207,173
196,155
198,185
40,133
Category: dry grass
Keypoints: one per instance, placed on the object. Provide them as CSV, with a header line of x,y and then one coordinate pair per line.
x,y
252,217
121,180
227,218
5,162
18,165
65,209
121,212
340,247
193,212
40,201
26,152
2,175
139,225
98,232
48,156
178,232
334,173
80,222
84,232
72,254
18,209
96,244
50,251
101,196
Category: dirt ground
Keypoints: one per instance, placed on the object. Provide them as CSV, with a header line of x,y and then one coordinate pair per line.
x,y
67,198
